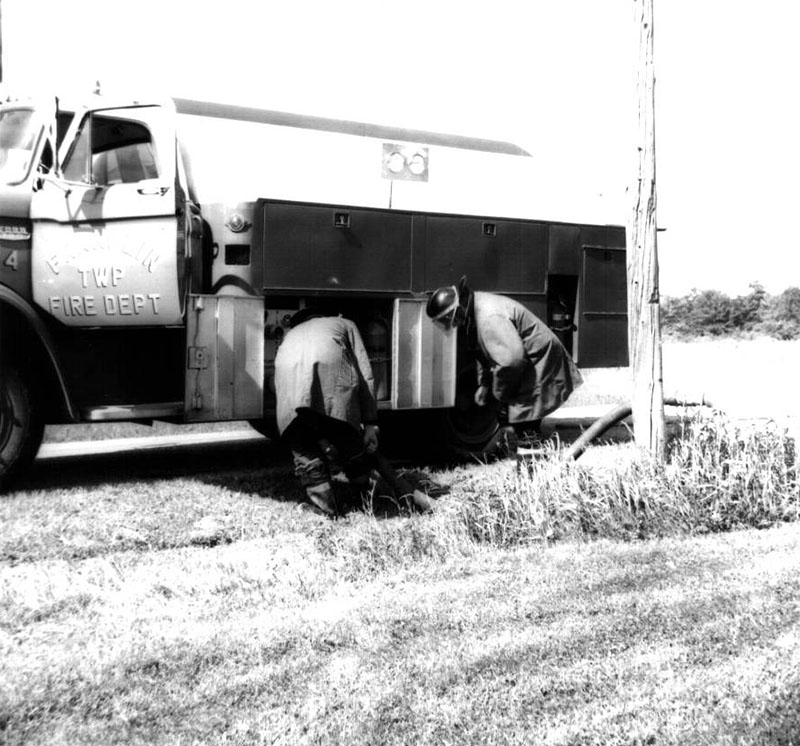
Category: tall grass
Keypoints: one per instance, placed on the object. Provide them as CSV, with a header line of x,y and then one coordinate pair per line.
x,y
735,475
719,475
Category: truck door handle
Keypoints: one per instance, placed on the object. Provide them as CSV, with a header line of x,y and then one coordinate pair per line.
x,y
152,191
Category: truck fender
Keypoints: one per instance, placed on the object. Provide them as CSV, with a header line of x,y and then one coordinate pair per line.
x,y
41,334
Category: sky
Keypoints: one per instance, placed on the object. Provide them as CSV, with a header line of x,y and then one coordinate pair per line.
x,y
555,77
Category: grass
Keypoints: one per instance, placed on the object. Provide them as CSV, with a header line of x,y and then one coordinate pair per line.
x,y
608,601
525,610
677,642
718,475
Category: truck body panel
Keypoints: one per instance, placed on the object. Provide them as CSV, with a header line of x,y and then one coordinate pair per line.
x,y
152,256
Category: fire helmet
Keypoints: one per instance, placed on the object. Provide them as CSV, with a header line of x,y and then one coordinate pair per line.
x,y
443,302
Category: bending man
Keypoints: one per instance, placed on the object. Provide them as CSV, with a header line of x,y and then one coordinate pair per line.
x,y
326,408
521,364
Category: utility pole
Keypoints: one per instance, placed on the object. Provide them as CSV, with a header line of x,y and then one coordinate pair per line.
x,y
644,318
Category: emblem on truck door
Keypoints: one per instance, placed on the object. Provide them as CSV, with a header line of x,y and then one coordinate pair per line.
x,y
107,277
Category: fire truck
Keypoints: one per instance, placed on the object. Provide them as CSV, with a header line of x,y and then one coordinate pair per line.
x,y
153,251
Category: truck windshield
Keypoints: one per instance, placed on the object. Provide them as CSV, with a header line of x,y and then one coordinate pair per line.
x,y
17,142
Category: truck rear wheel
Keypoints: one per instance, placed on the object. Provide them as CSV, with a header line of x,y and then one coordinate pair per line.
x,y
21,427
442,434
437,435
468,428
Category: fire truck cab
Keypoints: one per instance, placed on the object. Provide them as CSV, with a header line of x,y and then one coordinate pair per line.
x,y
152,252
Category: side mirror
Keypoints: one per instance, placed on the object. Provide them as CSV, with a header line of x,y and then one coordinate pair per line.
x,y
40,180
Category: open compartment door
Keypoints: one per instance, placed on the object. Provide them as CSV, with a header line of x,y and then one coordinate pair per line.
x,y
224,358
423,359
603,326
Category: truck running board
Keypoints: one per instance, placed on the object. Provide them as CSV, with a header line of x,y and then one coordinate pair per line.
x,y
155,411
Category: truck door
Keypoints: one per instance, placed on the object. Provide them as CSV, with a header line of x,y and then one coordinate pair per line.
x,y
106,248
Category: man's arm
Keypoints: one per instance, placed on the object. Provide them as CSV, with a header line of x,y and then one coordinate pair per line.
x,y
366,383
504,347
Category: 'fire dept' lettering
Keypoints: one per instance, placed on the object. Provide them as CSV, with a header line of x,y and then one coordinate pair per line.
x,y
122,304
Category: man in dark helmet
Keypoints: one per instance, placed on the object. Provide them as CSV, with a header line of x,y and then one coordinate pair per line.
x,y
521,365
326,409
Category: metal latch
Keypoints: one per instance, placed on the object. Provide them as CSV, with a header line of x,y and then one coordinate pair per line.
x,y
198,358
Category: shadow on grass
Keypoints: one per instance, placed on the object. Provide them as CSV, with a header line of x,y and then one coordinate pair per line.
x,y
258,468
88,469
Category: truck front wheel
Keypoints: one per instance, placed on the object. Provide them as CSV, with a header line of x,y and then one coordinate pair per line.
x,y
21,427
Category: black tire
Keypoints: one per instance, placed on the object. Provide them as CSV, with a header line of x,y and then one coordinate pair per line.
x,y
464,430
21,426
468,428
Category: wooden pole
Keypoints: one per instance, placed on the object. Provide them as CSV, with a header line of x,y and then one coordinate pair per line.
x,y
644,320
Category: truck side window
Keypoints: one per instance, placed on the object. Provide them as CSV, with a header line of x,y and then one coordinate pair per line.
x,y
75,166
63,121
118,151
46,161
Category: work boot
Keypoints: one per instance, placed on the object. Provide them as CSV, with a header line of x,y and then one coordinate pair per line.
x,y
421,501
323,498
362,489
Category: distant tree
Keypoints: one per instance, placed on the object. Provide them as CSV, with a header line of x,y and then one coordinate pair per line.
x,y
782,315
747,310
710,313
713,313
673,315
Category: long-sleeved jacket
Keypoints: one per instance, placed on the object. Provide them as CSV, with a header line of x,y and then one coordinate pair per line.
x,y
522,361
322,365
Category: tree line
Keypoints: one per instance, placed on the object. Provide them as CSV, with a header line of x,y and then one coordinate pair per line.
x,y
712,313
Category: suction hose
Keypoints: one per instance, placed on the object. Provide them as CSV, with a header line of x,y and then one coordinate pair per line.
x,y
597,428
611,418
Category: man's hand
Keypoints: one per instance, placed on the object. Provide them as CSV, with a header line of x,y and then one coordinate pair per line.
x,y
482,396
370,438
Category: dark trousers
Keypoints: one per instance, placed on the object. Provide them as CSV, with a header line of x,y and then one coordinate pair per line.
x,y
317,441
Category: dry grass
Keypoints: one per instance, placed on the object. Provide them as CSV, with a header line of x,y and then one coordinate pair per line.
x,y
491,621
602,602
670,642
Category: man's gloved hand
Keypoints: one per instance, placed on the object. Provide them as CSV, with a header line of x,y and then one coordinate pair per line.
x,y
331,454
370,438
482,396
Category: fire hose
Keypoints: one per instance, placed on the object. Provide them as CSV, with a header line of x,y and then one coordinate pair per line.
x,y
611,418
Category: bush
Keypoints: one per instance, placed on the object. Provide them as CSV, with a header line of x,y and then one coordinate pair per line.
x,y
782,315
713,313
